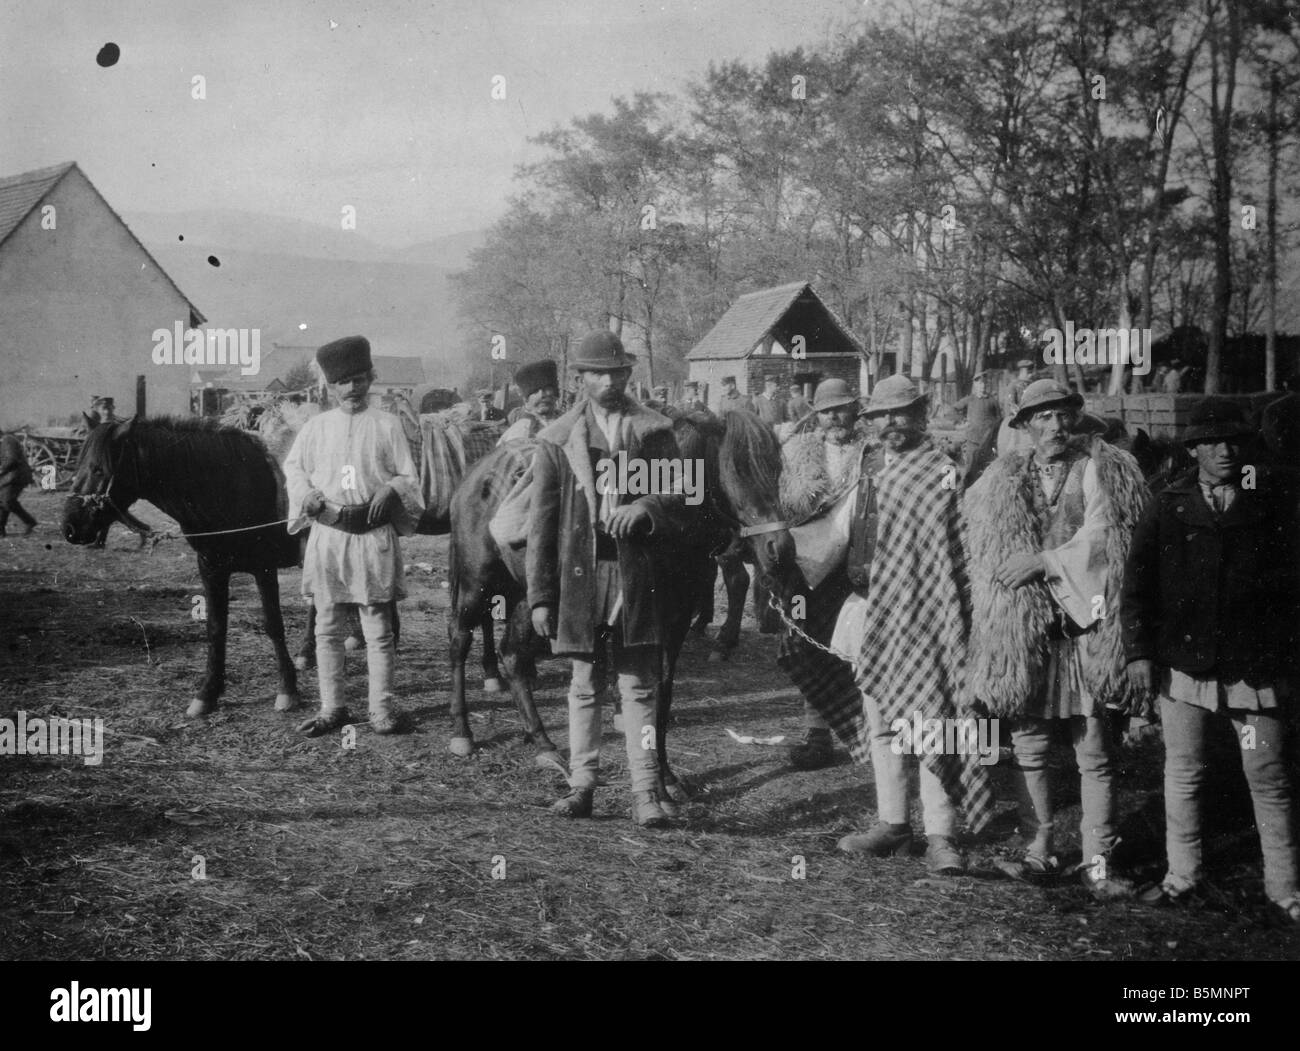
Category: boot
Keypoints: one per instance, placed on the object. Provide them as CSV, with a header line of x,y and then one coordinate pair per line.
x,y
647,812
576,804
881,841
943,858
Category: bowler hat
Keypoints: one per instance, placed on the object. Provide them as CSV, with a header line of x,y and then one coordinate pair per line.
x,y
895,394
601,352
535,376
1216,419
831,394
1042,394
345,357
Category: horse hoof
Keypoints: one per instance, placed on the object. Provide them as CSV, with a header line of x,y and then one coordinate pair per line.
x,y
717,656
286,702
198,707
301,663
492,685
352,643
548,760
677,793
461,746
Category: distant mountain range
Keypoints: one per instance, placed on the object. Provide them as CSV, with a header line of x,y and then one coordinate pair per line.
x,y
281,274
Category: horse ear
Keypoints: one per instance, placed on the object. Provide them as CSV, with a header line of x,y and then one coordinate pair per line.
x,y
124,429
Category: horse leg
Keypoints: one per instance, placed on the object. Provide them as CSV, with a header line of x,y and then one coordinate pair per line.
x,y
491,670
707,582
736,579
466,612
268,587
520,665
672,793
216,586
306,655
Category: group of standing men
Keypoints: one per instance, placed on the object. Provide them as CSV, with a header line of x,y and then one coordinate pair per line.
x,y
1054,592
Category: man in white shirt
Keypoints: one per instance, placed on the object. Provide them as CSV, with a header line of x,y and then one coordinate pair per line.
x,y
350,474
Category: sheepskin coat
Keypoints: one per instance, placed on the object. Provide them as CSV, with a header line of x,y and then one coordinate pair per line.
x,y
1009,646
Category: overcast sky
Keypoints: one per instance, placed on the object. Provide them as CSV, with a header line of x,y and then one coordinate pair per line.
x,y
390,112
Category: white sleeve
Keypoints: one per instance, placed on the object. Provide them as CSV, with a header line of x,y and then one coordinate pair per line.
x,y
1076,571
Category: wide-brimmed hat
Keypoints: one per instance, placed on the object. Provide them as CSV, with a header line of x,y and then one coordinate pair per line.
x,y
601,352
349,356
535,376
1043,393
771,377
1216,419
895,394
980,375
831,394
483,392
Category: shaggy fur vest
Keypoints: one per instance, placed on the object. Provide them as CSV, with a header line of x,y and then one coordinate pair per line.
x,y
1008,657
806,482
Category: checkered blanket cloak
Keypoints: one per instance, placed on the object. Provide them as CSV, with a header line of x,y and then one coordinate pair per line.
x,y
913,653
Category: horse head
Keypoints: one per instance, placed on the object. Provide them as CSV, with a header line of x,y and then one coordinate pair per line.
x,y
749,464
105,483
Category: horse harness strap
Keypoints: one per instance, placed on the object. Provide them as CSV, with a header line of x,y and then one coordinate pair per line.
x,y
862,533
763,527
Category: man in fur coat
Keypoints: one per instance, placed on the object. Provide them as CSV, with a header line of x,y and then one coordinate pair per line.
x,y
820,470
593,567
1049,531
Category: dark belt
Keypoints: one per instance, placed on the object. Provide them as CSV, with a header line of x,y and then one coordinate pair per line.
x,y
353,519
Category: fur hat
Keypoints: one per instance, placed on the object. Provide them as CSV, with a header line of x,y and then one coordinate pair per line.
x,y
536,376
895,394
601,352
1216,419
344,357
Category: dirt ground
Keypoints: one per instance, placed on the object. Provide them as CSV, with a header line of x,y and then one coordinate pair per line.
x,y
395,849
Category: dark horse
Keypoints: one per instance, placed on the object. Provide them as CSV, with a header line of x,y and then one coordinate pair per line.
x,y
484,577
210,479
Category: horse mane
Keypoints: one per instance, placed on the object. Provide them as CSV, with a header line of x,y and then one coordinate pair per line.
x,y
749,461
204,473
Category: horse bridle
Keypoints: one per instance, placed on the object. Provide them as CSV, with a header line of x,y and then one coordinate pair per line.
x,y
96,501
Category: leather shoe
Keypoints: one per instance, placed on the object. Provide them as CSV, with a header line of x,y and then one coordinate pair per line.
x,y
647,812
576,804
943,858
881,841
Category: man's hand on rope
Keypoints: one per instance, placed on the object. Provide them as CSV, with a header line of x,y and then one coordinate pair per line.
x,y
629,520
313,503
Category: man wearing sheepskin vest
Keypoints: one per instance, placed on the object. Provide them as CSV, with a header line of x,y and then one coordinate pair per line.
x,y
1049,531
592,568
1211,617
817,470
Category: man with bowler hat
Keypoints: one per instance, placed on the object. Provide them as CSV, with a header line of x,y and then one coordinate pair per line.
x,y
1211,617
595,569
351,478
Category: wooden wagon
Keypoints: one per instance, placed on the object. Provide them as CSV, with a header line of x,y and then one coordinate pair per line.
x,y
53,454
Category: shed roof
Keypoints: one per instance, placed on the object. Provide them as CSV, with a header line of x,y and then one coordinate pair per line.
x,y
754,316
21,193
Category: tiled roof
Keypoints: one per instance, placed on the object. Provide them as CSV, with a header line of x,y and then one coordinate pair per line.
x,y
19,194
753,316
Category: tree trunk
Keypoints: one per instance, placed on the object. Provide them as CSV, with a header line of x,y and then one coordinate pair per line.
x,y
1270,263
1223,65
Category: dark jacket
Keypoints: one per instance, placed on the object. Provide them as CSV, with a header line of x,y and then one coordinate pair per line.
x,y
561,559
1222,596
15,473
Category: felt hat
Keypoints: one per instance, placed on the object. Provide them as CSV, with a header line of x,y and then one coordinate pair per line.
x,y
601,352
894,394
982,374
690,385
344,357
831,394
728,379
771,377
1216,419
483,392
1040,395
535,376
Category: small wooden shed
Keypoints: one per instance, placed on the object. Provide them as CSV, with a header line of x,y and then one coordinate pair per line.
x,y
783,331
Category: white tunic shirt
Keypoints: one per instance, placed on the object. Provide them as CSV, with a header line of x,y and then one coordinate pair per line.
x,y
347,457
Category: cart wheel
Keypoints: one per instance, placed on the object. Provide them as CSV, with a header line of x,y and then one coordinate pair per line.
x,y
41,459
